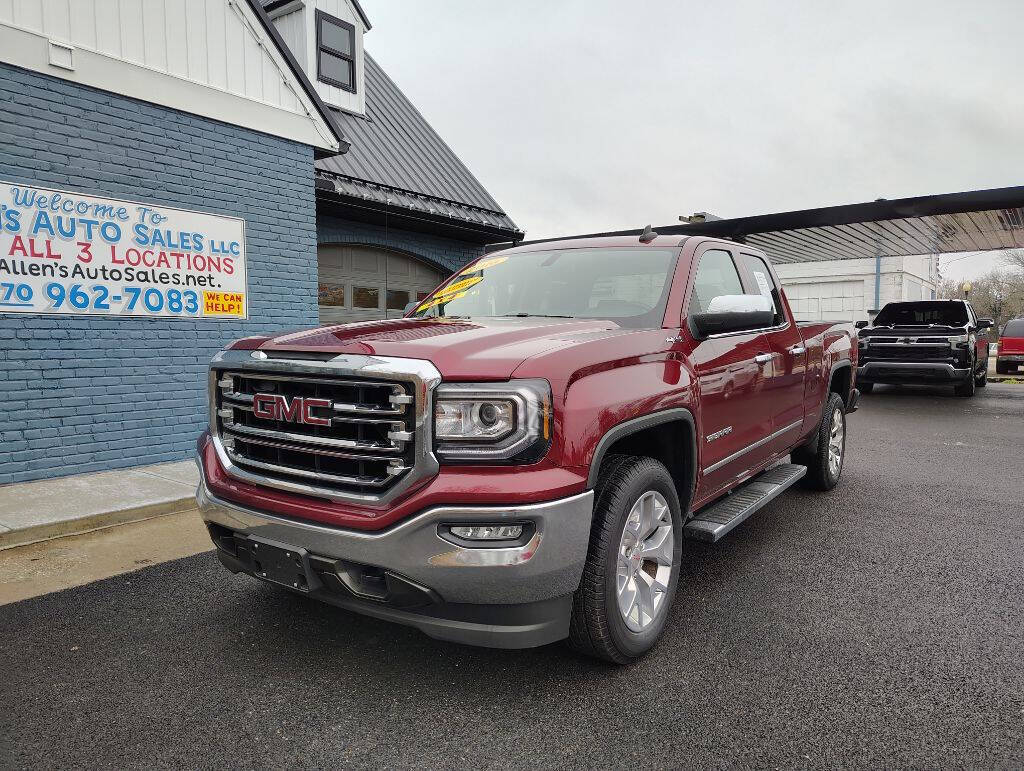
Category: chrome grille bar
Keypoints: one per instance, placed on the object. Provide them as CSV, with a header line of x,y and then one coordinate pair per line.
x,y
321,441
394,463
398,398
318,475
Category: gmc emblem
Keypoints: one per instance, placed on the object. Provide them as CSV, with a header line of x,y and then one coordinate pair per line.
x,y
297,410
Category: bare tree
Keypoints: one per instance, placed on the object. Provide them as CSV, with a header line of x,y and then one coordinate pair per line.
x,y
1014,258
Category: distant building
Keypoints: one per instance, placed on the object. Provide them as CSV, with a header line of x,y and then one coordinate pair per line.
x,y
845,289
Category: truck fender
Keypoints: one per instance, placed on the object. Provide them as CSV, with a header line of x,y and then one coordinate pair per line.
x,y
635,425
844,363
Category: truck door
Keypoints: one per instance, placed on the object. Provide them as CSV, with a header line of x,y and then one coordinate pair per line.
x,y
735,413
786,374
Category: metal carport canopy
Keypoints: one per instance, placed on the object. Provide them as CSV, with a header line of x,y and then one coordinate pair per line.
x,y
980,220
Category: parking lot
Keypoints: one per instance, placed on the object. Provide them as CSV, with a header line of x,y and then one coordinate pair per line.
x,y
880,625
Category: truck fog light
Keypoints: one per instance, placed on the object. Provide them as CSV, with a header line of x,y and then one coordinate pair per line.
x,y
487,532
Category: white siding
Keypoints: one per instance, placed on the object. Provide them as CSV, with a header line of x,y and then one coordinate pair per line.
x,y
845,289
332,95
216,44
292,27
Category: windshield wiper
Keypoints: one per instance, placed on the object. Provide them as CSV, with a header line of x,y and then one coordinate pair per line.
x,y
533,316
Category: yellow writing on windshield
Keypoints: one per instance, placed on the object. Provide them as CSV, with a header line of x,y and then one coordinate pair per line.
x,y
438,299
490,262
460,286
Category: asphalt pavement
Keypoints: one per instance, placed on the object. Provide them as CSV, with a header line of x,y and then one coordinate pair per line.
x,y
880,625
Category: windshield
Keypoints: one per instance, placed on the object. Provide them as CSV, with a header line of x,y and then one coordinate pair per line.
x,y
629,286
946,314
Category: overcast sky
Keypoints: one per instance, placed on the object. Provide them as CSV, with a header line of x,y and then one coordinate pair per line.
x,y
584,116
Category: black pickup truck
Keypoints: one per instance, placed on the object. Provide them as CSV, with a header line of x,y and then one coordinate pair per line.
x,y
926,342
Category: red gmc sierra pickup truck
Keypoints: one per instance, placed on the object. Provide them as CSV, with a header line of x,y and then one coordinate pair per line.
x,y
518,460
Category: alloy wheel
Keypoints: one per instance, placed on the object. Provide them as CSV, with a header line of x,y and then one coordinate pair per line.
x,y
645,557
835,442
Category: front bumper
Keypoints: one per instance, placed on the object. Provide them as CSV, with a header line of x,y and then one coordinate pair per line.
x,y
509,597
1011,358
911,372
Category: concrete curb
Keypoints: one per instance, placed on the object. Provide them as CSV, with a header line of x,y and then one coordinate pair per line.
x,y
36,533
38,511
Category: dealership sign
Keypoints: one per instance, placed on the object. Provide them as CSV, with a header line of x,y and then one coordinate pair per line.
x,y
72,254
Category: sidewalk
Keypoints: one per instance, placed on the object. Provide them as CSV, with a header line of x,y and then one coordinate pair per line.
x,y
49,508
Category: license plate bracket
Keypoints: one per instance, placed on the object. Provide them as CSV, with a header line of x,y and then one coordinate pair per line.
x,y
279,563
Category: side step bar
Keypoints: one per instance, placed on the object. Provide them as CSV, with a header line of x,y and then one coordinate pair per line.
x,y
714,521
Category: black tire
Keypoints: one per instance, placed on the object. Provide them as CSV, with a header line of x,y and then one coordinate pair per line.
x,y
597,627
966,388
866,388
982,380
815,454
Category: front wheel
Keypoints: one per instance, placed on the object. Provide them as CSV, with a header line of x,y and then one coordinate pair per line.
x,y
632,567
967,387
866,388
824,453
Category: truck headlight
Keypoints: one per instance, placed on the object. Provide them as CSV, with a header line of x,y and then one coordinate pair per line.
x,y
493,422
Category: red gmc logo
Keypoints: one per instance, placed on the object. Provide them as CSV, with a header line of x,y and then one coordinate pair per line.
x,y
297,410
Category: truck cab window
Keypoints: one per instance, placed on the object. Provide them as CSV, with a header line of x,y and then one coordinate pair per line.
x,y
716,276
763,283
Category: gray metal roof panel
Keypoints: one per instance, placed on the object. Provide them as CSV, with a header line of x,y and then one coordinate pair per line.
x,y
977,220
394,146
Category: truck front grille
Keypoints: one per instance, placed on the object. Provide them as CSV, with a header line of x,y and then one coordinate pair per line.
x,y
911,353
332,434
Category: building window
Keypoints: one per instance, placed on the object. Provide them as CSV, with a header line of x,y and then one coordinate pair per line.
x,y
331,294
335,52
397,299
365,297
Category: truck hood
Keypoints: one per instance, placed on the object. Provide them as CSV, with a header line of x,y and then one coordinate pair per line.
x,y
461,349
937,330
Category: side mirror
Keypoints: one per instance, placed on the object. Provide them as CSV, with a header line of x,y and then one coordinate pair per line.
x,y
735,313
410,306
985,324
862,324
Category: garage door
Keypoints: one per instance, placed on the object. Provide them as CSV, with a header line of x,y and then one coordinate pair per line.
x,y
820,300
361,283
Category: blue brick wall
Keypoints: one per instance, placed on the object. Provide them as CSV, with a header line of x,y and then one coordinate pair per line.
x,y
446,253
83,394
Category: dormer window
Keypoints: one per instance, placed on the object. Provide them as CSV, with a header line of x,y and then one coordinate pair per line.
x,y
335,51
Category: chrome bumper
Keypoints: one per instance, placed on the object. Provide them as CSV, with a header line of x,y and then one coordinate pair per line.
x,y
549,565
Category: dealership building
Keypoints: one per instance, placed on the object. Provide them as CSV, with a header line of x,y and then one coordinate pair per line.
x,y
171,181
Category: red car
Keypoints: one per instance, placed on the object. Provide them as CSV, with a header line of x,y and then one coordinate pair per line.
x,y
1010,350
519,459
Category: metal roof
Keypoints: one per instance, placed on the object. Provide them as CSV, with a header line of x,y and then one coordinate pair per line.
x,y
397,158
979,220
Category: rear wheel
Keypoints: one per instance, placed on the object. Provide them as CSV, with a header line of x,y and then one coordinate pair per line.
x,y
825,452
982,380
632,567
